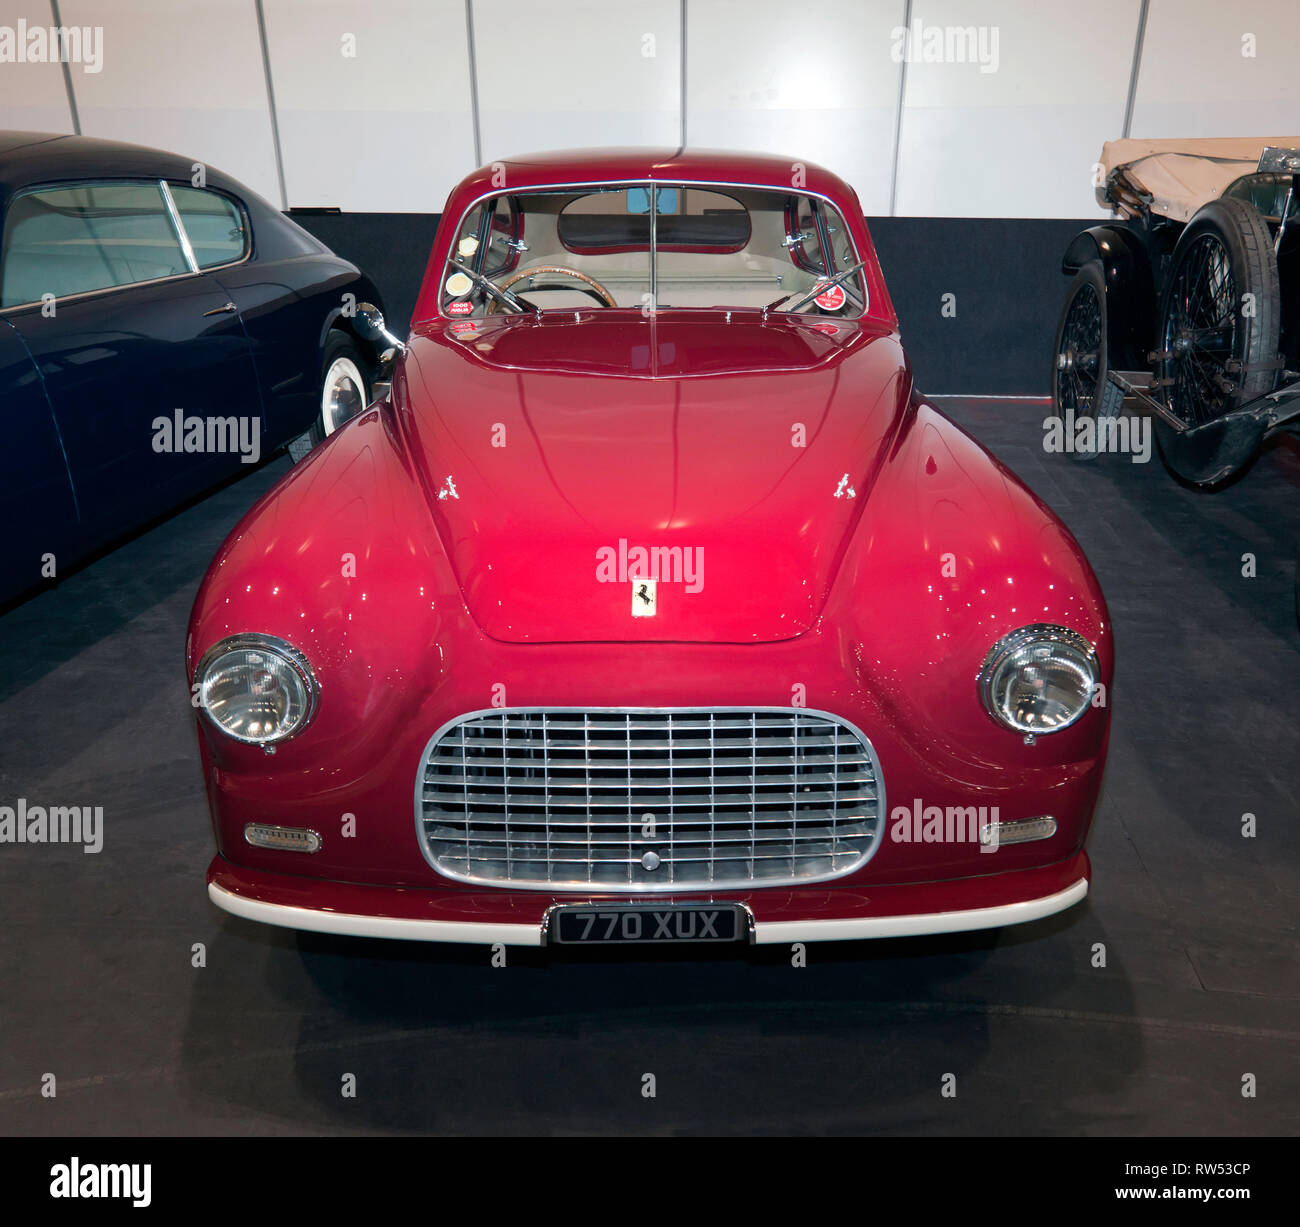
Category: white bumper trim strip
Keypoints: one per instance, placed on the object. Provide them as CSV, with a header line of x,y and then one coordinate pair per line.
x,y
769,932
349,925
860,927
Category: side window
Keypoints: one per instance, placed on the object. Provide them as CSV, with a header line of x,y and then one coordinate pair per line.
x,y
487,243
487,237
493,223
843,254
803,237
94,236
502,237
214,224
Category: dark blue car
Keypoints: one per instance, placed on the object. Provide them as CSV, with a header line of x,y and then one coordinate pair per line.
x,y
161,329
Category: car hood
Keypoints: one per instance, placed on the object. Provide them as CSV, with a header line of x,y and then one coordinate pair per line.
x,y
726,456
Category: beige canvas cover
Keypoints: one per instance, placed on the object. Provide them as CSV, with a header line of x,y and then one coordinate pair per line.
x,y
1181,175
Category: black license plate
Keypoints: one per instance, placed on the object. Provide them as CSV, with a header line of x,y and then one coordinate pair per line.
x,y
591,924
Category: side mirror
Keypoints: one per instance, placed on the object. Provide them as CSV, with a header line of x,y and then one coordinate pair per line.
x,y
369,321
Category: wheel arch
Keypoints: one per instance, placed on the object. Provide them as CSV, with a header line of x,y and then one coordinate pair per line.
x,y
1131,302
338,318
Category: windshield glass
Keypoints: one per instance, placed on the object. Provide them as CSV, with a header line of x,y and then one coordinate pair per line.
x,y
684,245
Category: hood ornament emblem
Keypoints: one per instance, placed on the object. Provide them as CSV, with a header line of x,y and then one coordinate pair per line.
x,y
644,598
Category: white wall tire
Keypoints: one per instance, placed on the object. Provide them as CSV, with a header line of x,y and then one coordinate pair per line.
x,y
344,393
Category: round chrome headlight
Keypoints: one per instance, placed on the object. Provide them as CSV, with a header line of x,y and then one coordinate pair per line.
x,y
256,688
1039,679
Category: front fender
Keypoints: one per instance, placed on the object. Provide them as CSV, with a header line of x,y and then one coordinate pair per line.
x,y
341,560
1130,291
951,554
341,316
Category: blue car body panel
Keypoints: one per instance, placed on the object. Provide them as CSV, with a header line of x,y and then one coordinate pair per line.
x,y
37,505
85,381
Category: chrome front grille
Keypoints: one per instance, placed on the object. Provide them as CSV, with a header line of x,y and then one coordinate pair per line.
x,y
648,799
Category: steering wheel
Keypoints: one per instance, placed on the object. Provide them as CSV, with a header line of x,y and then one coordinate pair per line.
x,y
603,294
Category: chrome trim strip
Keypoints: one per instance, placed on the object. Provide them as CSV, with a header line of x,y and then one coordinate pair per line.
x,y
653,193
187,249
876,837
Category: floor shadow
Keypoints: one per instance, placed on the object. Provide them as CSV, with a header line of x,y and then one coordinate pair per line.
x,y
738,1040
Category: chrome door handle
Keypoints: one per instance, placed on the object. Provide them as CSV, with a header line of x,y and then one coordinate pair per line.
x,y
228,309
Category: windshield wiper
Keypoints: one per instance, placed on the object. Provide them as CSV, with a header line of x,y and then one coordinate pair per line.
x,y
492,291
820,288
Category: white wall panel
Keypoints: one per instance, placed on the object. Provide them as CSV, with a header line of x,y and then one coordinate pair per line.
x,y
32,96
811,82
558,74
186,77
390,128
1196,81
373,101
1018,141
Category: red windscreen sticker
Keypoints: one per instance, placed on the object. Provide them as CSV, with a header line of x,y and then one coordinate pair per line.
x,y
832,299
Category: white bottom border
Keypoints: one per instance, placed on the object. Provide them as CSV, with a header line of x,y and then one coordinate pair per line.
x,y
765,933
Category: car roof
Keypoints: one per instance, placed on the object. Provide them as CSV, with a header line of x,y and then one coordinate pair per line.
x,y
580,167
564,166
27,158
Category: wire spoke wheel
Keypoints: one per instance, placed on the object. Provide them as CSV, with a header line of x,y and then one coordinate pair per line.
x,y
1200,332
1219,327
1078,354
1082,397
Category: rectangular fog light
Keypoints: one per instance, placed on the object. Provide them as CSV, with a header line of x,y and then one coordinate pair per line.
x,y
283,839
1023,831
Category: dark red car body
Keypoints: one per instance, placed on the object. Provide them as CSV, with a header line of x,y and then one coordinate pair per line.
x,y
672,426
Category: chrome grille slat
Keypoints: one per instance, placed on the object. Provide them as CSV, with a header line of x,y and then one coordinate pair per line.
x,y
684,824
521,734
645,801
577,764
788,835
616,722
788,781
559,799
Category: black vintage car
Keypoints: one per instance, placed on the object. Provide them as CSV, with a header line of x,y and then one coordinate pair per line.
x,y
1188,302
161,326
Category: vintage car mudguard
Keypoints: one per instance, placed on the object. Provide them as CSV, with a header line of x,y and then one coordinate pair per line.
x,y
1130,291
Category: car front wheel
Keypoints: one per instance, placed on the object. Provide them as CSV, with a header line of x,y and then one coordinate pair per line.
x,y
344,393
1080,389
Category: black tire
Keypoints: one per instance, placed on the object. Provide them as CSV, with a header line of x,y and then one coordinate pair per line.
x,y
1080,360
1220,316
340,349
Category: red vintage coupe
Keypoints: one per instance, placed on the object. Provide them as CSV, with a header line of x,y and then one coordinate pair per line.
x,y
652,602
